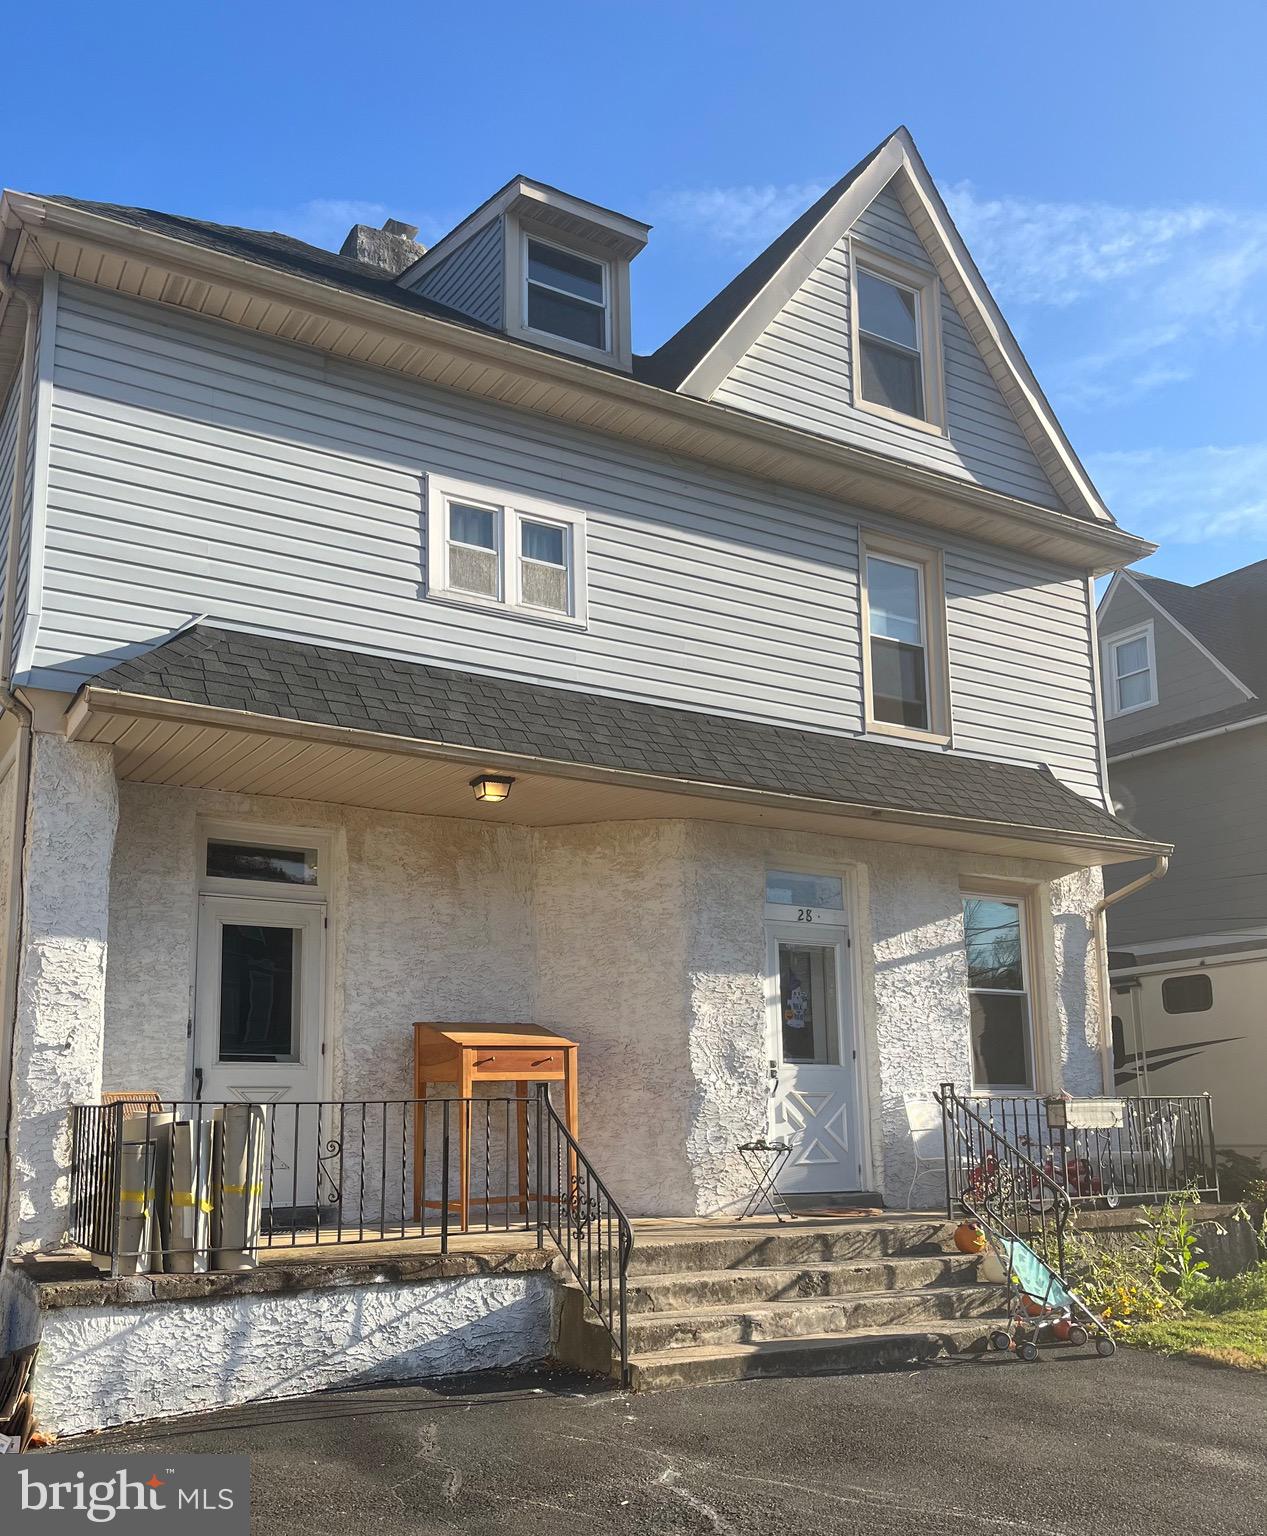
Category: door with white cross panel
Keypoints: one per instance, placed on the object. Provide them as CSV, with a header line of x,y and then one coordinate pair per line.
x,y
813,1064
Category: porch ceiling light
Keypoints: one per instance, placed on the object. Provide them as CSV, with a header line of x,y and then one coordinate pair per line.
x,y
488,786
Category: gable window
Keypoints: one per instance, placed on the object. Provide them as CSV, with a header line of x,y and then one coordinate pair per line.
x,y
896,340
490,549
1130,671
904,645
566,294
1000,1020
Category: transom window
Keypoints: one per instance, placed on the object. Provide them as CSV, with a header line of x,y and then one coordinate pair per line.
x,y
891,371
255,861
1131,671
1000,1018
488,549
566,295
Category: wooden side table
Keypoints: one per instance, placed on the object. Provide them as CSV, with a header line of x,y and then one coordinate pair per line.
x,y
467,1054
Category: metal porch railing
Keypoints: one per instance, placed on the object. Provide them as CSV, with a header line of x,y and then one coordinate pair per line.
x,y
192,1186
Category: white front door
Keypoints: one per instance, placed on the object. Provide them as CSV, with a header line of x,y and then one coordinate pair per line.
x,y
813,1066
257,1024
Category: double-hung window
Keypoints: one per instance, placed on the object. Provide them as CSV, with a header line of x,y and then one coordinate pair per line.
x,y
566,294
1000,1016
896,340
490,549
1131,671
904,641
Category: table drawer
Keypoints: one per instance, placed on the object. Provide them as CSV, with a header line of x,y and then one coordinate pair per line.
x,y
517,1062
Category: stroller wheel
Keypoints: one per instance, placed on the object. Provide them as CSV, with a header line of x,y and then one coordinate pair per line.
x,y
1105,1347
1077,1334
1000,1340
1028,1351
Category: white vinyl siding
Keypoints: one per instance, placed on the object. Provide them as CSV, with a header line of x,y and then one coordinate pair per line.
x,y
799,371
8,465
469,279
195,470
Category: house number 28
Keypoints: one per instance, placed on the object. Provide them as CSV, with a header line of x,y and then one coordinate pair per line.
x,y
805,914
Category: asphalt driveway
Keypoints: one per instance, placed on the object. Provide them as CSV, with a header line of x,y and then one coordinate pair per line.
x,y
1075,1445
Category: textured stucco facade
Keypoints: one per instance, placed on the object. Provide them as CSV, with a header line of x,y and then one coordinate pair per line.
x,y
72,808
107,1365
643,940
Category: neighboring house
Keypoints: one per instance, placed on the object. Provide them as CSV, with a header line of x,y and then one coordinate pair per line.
x,y
1185,694
783,638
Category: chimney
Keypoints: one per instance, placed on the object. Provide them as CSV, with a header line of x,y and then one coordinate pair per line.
x,y
392,248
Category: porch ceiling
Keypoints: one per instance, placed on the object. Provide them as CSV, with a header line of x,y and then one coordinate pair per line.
x,y
164,741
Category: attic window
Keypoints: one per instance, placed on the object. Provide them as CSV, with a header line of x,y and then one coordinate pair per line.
x,y
1131,671
566,295
896,340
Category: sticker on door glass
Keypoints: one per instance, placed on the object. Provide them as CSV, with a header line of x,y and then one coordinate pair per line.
x,y
807,996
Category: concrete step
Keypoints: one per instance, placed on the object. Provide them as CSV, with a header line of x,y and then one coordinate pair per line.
x,y
811,1355
688,1291
795,1244
656,1332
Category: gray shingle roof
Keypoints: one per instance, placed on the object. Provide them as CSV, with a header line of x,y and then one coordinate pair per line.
x,y
231,669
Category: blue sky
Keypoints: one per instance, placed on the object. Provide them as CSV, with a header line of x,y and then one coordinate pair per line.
x,y
1107,164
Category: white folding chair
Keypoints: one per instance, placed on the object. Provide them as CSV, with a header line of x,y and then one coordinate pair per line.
x,y
923,1117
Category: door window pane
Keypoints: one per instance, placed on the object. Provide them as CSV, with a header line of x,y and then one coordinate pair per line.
x,y
259,992
249,861
785,889
808,1003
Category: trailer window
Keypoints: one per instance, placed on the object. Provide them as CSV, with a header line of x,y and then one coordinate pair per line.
x,y
1187,994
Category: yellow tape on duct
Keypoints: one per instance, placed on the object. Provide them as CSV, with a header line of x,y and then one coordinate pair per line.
x,y
183,1197
241,1189
136,1196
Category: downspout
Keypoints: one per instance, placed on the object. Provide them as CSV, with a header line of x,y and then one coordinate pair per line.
x,y
22,761
1158,872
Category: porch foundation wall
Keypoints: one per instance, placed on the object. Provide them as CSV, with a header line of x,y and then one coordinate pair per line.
x,y
100,1366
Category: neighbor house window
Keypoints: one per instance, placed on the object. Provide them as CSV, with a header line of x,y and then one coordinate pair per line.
x,y
1187,994
491,549
566,294
904,639
1131,671
1000,1017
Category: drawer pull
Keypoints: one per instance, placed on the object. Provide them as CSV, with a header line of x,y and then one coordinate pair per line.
x,y
545,1061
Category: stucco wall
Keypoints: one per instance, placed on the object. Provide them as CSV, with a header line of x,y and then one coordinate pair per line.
x,y
100,1366
644,940
70,826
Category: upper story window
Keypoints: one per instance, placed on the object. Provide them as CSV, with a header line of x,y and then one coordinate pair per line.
x,y
1130,671
897,340
488,549
566,295
904,646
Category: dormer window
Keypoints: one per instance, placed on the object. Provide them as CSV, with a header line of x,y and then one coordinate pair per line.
x,y
895,325
566,295
1130,671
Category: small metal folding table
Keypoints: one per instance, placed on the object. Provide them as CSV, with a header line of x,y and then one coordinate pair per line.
x,y
765,1160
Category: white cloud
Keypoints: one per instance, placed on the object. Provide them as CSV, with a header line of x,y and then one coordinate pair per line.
x,y
744,218
1187,495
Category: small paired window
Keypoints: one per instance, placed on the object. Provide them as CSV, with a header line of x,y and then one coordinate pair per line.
x,y
1130,671
905,646
1000,1017
487,549
566,295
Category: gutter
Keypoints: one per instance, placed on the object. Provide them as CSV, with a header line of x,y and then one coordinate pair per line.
x,y
1182,741
22,761
1161,865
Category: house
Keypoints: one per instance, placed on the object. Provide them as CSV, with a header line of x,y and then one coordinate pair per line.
x,y
387,643
1185,676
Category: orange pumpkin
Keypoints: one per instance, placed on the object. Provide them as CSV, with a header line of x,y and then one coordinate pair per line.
x,y
1034,1308
969,1238
1063,1328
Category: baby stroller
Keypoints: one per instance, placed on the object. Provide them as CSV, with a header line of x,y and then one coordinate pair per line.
x,y
1038,1300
